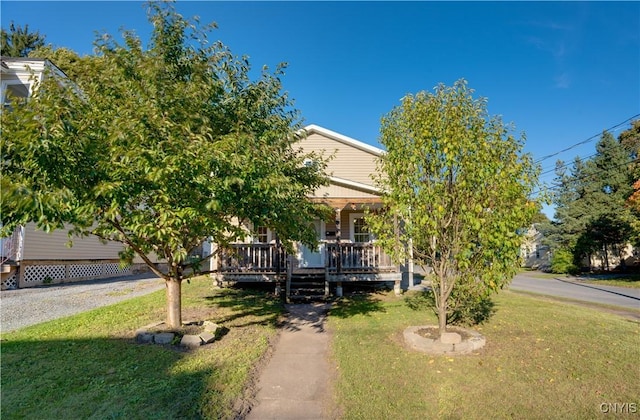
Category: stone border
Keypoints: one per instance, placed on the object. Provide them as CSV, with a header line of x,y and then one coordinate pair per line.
x,y
431,346
208,335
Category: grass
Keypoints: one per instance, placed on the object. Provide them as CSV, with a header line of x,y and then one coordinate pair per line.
x,y
88,366
542,360
620,280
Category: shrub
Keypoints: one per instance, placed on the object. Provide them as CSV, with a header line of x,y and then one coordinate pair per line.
x,y
562,262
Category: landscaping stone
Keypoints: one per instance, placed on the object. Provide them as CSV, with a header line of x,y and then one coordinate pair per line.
x,y
450,338
207,337
191,341
144,337
212,327
163,338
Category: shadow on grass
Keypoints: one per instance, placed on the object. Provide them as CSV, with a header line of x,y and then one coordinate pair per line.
x,y
100,378
249,306
353,304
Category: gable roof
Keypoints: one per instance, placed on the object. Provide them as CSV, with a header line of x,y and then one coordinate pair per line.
x,y
312,128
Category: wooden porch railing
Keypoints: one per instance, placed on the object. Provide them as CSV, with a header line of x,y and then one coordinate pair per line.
x,y
253,258
9,246
357,257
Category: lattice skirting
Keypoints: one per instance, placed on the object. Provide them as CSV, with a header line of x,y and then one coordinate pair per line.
x,y
57,272
11,281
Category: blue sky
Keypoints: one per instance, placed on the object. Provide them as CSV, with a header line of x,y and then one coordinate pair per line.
x,y
560,71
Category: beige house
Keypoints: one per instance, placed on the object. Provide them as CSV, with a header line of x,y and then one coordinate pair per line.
x,y
347,251
534,253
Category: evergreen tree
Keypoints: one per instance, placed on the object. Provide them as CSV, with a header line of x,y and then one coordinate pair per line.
x,y
591,216
18,41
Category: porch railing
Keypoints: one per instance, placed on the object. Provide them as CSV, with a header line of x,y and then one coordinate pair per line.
x,y
253,258
10,246
357,257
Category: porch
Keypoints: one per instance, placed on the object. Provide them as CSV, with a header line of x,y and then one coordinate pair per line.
x,y
343,262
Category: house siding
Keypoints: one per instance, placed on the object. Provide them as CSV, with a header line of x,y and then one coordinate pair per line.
x,y
348,162
39,245
338,191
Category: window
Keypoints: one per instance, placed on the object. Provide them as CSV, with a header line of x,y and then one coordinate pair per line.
x,y
360,230
14,89
261,234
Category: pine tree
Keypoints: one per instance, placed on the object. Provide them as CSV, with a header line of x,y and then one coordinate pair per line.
x,y
18,41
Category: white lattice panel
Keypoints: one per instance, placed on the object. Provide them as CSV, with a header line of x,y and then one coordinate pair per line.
x,y
38,273
85,270
10,282
114,268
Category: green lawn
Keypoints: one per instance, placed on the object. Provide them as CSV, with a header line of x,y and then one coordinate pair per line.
x,y
542,360
89,367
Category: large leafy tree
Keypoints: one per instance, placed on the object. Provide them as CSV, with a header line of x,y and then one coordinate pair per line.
x,y
18,41
159,148
456,185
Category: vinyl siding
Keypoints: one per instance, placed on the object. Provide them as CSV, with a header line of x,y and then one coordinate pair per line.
x,y
337,191
348,162
39,245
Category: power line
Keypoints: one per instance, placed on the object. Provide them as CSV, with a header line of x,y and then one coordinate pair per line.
x,y
565,165
587,140
556,186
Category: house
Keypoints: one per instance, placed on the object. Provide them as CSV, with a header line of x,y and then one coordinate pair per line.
x,y
31,257
534,253
347,250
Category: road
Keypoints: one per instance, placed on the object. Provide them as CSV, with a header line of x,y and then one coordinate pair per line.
x,y
571,288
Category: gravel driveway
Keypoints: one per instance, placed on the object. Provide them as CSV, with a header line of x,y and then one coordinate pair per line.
x,y
23,307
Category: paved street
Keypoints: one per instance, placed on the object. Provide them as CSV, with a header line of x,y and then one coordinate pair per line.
x,y
569,287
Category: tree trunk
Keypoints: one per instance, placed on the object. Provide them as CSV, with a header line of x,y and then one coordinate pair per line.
x,y
174,303
442,309
442,319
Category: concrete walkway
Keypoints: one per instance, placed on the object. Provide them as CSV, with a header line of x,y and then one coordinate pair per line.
x,y
295,382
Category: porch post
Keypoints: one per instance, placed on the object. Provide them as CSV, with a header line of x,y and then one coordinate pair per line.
x,y
410,263
289,275
338,236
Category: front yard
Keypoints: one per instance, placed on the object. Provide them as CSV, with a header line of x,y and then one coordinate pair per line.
x,y
543,359
88,366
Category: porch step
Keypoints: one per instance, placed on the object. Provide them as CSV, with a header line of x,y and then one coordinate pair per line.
x,y
307,287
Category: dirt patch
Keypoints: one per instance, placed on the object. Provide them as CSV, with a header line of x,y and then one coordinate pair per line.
x,y
433,332
425,338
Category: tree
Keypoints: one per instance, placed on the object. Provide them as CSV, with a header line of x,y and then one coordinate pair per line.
x,y
630,140
18,41
591,217
456,185
165,147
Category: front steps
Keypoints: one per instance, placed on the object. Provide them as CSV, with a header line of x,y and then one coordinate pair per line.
x,y
308,288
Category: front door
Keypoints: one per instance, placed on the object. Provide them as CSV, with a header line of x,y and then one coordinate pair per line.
x,y
309,258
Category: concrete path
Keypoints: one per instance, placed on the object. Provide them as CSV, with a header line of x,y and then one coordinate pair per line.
x,y
295,382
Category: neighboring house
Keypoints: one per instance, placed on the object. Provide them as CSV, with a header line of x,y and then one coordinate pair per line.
x,y
31,257
347,251
534,253
618,258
